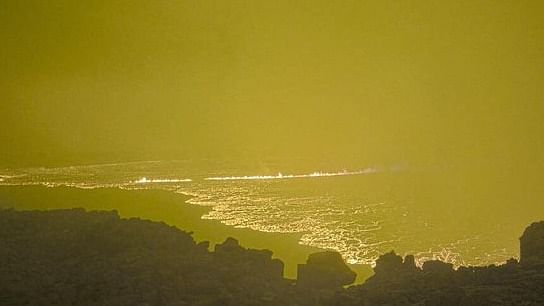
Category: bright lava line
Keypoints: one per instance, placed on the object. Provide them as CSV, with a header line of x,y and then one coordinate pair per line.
x,y
145,180
280,176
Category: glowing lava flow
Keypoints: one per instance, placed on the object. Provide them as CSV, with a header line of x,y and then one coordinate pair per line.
x,y
145,180
280,176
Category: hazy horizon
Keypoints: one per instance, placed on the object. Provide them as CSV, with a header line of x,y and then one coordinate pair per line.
x,y
363,82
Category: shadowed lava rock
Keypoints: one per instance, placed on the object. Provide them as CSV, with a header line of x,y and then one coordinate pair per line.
x,y
73,257
324,270
323,275
532,244
400,282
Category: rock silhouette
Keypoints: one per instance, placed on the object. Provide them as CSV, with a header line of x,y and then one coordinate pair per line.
x,y
400,282
67,257
532,244
324,270
74,257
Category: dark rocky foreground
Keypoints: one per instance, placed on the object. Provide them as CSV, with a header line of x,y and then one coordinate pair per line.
x,y
73,257
398,281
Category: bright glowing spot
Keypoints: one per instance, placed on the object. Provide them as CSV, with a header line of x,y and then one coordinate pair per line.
x,y
145,180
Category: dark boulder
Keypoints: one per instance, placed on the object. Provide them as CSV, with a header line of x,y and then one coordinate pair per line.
x,y
228,246
438,274
247,262
388,264
437,267
409,263
324,270
532,244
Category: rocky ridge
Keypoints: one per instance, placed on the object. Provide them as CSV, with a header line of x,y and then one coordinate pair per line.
x,y
74,257
399,281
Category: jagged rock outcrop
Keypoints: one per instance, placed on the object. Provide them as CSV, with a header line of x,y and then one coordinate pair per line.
x,y
323,275
68,257
531,245
388,264
400,282
73,257
324,270
247,261
409,263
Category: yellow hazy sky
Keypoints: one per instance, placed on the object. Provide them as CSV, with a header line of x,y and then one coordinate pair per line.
x,y
366,82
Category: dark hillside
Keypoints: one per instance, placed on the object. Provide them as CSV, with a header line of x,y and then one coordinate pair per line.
x,y
74,257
